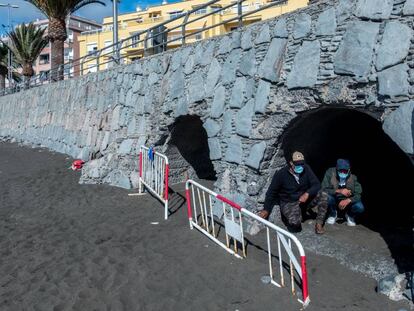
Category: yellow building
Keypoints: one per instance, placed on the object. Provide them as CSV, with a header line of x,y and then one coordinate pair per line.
x,y
138,22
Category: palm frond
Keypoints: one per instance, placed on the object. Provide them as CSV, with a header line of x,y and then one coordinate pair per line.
x,y
59,9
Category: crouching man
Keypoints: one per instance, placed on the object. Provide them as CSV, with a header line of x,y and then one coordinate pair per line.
x,y
344,192
295,187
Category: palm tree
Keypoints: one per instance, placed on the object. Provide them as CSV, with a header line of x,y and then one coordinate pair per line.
x,y
26,42
3,66
57,11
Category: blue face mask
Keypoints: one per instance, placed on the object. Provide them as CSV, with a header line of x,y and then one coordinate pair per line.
x,y
298,169
343,175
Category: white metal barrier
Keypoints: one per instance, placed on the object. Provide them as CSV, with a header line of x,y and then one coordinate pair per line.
x,y
201,203
153,174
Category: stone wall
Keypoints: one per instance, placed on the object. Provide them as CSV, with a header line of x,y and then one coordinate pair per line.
x,y
245,86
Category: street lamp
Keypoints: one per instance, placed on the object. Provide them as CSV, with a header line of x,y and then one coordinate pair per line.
x,y
9,64
115,30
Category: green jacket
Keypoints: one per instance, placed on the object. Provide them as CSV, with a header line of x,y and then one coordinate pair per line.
x,y
330,184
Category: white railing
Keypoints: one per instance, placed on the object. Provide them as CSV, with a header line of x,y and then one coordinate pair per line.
x,y
153,174
204,207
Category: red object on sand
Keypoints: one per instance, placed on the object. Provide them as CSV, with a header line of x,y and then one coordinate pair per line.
x,y
77,165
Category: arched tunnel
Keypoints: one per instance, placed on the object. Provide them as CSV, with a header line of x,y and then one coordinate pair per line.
x,y
189,137
385,172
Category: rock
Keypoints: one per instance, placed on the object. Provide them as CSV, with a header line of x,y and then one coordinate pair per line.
x,y
246,40
125,147
326,24
212,127
374,9
243,121
256,155
152,78
197,88
119,179
302,25
399,125
344,10
234,150
392,286
215,149
408,7
272,63
228,73
280,30
248,63
305,66
395,45
115,118
189,65
227,123
263,35
213,76
224,45
238,93
393,81
217,108
177,85
181,107
262,97
176,61
354,55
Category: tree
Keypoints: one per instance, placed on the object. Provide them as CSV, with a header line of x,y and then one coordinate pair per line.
x,y
26,42
3,66
57,11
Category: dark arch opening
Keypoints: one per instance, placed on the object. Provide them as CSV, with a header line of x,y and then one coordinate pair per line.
x,y
190,138
384,170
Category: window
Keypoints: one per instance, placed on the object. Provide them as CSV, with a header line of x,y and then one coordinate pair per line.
x,y
245,8
106,44
44,59
135,41
70,36
68,54
201,11
91,47
176,14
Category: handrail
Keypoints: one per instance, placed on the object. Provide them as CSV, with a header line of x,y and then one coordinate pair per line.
x,y
75,67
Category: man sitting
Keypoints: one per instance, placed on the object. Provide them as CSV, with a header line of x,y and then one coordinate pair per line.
x,y
293,187
344,192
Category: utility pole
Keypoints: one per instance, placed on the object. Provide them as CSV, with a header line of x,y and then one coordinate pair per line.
x,y
9,61
116,55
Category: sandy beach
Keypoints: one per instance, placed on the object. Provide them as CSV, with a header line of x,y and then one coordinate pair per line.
x,y
66,246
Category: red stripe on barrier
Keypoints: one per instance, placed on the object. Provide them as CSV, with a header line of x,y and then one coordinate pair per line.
x,y
189,212
231,203
167,170
305,292
140,164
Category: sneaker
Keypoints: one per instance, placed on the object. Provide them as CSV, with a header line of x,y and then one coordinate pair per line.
x,y
331,220
350,221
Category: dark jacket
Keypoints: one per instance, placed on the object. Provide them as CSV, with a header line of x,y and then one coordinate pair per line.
x,y
330,184
285,189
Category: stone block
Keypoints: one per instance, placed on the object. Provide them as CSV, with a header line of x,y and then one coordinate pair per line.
x,y
399,125
395,44
189,65
238,93
256,155
246,40
248,63
263,35
243,120
227,123
280,29
272,63
393,81
305,66
177,85
228,73
196,88
374,9
212,127
224,45
217,107
125,146
354,55
408,7
234,150
326,24
262,97
302,25
215,149
213,76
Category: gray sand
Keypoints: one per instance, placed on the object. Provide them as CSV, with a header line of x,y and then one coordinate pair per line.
x,y
66,246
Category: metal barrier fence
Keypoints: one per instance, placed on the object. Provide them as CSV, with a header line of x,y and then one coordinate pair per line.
x,y
147,42
203,204
153,174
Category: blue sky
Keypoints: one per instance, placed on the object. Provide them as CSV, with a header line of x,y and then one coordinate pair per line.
x,y
27,12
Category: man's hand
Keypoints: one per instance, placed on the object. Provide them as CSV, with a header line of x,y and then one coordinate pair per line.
x,y
344,203
304,197
263,214
345,192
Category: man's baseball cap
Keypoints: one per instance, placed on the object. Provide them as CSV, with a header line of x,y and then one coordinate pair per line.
x,y
343,164
298,158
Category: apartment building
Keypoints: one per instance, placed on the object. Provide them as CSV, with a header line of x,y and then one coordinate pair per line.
x,y
134,25
75,26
